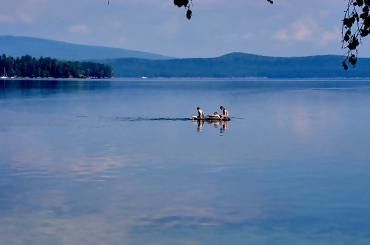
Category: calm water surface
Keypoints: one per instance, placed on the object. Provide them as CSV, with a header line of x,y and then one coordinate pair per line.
x,y
114,163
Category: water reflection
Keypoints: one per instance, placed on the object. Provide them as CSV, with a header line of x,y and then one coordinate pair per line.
x,y
52,84
200,124
121,165
221,125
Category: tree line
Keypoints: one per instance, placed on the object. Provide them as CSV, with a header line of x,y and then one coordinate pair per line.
x,y
28,66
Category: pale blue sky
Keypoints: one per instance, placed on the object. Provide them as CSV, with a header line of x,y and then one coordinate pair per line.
x,y
287,28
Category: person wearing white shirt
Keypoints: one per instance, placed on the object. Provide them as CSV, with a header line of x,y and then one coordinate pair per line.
x,y
225,113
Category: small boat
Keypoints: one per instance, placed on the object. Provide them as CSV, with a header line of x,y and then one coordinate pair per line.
x,y
210,119
4,76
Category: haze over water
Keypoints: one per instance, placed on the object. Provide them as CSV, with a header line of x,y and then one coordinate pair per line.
x,y
115,162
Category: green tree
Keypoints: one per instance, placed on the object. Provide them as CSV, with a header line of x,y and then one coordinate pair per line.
x,y
27,66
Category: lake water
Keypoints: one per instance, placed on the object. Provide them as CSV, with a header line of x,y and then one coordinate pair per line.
x,y
114,162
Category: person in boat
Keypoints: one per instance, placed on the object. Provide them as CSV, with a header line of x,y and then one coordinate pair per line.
x,y
225,113
214,116
200,114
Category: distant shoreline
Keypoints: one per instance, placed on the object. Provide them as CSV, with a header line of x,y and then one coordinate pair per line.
x,y
186,78
208,83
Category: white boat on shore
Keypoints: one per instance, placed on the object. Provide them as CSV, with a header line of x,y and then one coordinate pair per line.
x,y
4,76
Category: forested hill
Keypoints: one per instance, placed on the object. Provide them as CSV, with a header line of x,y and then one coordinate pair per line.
x,y
27,66
241,65
19,46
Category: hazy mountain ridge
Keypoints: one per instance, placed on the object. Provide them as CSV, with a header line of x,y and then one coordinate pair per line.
x,y
37,47
128,63
240,65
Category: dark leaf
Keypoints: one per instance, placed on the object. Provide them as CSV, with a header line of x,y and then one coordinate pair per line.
x,y
189,14
353,44
352,59
345,66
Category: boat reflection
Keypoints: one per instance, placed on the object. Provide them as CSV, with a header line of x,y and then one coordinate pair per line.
x,y
222,125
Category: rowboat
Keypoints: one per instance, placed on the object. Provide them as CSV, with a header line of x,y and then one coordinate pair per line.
x,y
210,119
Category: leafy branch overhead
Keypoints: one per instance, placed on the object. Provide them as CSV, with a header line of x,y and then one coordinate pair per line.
x,y
188,3
356,25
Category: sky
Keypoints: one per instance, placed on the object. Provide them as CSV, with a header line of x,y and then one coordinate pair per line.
x,y
287,28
